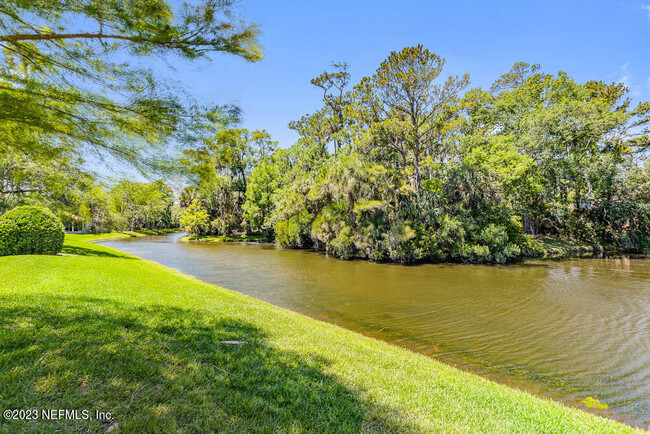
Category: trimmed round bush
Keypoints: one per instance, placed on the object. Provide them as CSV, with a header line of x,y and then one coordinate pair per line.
x,y
30,230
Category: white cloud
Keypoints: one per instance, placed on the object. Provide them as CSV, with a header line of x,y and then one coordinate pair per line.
x,y
624,75
647,9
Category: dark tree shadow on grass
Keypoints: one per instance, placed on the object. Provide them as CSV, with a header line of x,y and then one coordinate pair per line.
x,y
83,251
161,369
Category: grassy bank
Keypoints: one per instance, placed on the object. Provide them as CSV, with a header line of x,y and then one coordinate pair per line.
x,y
98,329
115,235
564,248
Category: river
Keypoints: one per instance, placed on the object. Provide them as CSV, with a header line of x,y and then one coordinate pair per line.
x,y
568,330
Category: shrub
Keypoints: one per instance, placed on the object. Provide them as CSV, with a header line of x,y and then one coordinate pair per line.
x,y
623,224
30,230
294,232
327,225
427,245
401,243
528,245
224,226
343,245
451,236
494,236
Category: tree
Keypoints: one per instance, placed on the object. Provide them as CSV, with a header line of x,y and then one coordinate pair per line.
x,y
405,112
232,153
578,136
219,172
142,205
517,77
265,181
336,99
195,219
68,80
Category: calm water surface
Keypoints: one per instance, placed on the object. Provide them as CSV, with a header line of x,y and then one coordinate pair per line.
x,y
566,330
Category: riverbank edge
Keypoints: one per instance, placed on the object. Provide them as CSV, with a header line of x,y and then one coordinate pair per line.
x,y
226,239
552,248
118,235
426,394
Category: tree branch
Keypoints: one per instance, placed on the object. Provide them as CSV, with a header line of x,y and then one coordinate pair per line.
x,y
21,191
49,36
138,39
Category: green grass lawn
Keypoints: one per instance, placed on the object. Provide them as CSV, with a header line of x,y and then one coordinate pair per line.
x,y
97,329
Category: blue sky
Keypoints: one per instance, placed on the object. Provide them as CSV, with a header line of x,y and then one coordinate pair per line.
x,y
603,40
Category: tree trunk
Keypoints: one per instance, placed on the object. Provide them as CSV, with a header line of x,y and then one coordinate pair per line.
x,y
529,225
417,173
353,215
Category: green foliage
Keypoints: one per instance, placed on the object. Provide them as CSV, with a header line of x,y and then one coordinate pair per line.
x,y
402,167
331,124
195,219
419,173
352,210
264,182
399,242
70,86
622,224
225,226
220,173
343,244
30,230
142,205
406,114
328,225
294,231
68,79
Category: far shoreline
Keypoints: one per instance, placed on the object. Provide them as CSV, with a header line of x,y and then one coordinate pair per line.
x,y
554,249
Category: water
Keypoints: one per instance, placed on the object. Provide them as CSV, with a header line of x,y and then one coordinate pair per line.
x,y
568,330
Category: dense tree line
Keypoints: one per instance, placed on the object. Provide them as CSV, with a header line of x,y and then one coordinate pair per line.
x,y
85,205
218,173
409,166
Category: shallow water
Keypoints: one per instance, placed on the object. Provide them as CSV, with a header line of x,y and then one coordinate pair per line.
x,y
568,330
